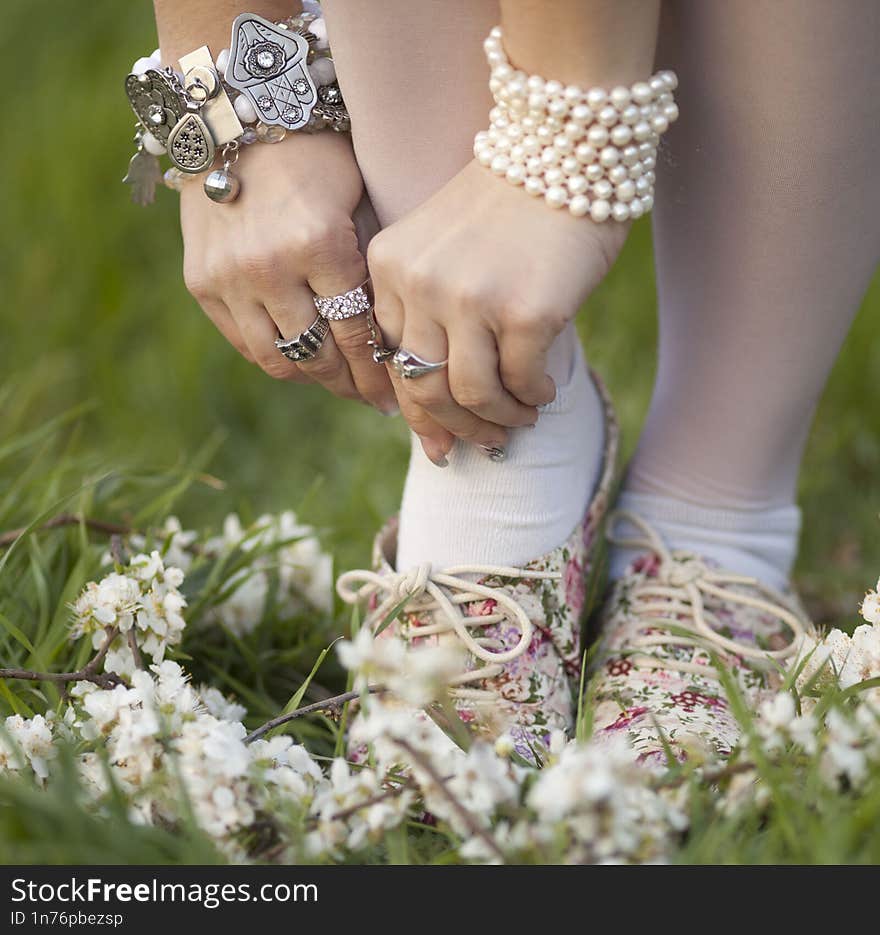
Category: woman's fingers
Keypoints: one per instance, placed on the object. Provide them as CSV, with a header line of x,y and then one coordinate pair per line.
x,y
219,314
475,381
260,328
336,267
292,311
431,391
522,365
436,441
353,338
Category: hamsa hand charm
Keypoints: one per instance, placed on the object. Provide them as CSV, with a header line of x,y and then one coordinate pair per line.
x,y
269,65
143,175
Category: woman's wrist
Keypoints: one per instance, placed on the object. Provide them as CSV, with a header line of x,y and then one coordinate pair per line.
x,y
183,25
592,150
582,42
274,78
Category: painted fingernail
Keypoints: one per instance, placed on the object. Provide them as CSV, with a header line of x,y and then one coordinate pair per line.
x,y
391,411
494,452
441,462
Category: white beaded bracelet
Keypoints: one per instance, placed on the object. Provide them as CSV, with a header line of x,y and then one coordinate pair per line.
x,y
592,151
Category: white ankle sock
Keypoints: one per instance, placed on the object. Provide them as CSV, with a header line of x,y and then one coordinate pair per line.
x,y
510,512
760,542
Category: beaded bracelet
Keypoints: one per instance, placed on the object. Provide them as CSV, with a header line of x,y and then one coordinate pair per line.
x,y
592,151
275,78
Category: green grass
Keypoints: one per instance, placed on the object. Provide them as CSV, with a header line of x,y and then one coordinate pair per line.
x,y
95,316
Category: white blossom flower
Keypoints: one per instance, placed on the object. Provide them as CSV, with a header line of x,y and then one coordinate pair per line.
x,y
778,724
846,660
242,609
481,782
862,661
112,602
417,675
870,608
346,814
505,745
843,755
159,620
219,705
146,600
176,544
305,571
598,797
27,742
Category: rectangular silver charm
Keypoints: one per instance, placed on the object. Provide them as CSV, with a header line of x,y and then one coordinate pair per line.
x,y
217,112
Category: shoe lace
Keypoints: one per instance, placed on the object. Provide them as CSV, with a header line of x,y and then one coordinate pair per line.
x,y
675,600
441,594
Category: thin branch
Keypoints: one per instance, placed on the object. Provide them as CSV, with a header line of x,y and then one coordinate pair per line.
x,y
472,824
373,800
721,772
328,704
66,519
88,673
135,649
117,550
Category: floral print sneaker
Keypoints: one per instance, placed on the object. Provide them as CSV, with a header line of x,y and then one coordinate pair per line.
x,y
669,623
520,627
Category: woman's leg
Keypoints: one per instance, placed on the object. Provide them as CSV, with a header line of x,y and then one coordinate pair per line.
x,y
416,83
767,230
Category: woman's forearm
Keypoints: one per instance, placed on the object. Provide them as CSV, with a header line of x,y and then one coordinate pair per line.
x,y
187,24
583,42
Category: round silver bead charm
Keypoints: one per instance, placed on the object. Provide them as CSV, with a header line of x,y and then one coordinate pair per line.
x,y
222,186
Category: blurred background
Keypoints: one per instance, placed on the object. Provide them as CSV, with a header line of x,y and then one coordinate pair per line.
x,y
95,314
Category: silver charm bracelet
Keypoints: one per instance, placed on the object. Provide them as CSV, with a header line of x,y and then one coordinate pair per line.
x,y
274,79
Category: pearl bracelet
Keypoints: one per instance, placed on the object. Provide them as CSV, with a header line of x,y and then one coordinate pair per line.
x,y
275,78
592,151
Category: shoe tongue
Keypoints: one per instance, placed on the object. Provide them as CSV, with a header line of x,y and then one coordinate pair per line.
x,y
746,625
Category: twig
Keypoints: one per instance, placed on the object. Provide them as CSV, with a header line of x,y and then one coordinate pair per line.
x,y
117,550
135,649
88,673
373,800
328,704
472,824
727,771
66,519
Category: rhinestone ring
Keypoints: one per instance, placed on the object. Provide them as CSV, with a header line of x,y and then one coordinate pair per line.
x,y
347,305
409,365
306,345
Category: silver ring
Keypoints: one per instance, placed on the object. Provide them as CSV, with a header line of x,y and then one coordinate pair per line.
x,y
305,345
347,305
409,365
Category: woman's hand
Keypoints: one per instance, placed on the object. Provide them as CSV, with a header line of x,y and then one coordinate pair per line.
x,y
487,276
254,265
